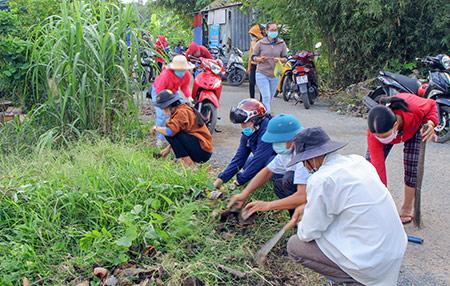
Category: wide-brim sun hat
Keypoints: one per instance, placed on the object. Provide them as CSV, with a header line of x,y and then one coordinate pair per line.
x,y
180,62
165,98
311,143
282,128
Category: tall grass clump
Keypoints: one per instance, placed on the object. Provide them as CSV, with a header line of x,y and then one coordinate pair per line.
x,y
80,69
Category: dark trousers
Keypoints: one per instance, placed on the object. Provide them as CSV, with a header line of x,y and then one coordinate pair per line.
x,y
186,145
252,80
283,186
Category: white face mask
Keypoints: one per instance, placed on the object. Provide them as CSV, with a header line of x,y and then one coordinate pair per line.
x,y
388,139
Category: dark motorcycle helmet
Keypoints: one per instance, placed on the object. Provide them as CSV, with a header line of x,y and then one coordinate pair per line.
x,y
248,110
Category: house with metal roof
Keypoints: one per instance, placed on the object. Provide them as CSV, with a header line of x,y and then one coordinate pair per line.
x,y
224,22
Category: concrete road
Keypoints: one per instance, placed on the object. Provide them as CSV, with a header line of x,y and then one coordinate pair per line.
x,y
425,264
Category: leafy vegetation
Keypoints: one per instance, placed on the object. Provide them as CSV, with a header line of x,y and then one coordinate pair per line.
x,y
103,203
365,36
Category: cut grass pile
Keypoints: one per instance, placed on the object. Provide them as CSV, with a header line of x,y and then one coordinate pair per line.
x,y
103,204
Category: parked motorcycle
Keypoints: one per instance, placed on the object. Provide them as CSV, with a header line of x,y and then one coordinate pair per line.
x,y
437,88
286,86
300,80
207,89
235,71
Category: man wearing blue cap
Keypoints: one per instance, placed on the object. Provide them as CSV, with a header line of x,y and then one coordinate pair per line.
x,y
289,182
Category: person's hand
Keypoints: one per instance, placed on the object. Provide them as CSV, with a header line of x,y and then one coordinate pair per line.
x,y
237,201
190,101
153,131
165,152
253,207
261,59
218,183
297,216
428,131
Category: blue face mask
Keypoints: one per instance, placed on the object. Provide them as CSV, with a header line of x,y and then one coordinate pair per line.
x,y
272,35
280,148
179,73
248,131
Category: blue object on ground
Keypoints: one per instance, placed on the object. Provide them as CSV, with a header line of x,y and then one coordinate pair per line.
x,y
415,239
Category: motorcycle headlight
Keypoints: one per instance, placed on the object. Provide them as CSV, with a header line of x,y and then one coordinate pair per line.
x,y
216,69
446,62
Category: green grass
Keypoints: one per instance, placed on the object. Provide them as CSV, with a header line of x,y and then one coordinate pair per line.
x,y
100,203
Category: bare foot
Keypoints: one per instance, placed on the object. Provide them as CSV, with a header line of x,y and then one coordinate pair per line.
x,y
406,216
187,162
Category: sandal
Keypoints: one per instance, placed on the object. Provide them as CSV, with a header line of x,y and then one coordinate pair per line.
x,y
406,219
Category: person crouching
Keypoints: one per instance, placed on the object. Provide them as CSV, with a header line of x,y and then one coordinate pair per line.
x,y
186,132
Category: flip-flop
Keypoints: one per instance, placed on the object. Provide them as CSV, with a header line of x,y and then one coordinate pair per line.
x,y
406,217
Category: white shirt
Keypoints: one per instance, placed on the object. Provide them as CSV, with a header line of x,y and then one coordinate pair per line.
x,y
279,166
353,219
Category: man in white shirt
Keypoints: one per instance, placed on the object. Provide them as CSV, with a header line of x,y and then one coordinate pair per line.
x,y
349,229
289,182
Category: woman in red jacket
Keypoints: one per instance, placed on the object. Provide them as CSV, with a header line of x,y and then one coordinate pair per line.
x,y
198,51
401,120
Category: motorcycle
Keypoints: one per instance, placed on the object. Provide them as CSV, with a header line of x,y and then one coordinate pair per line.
x,y
437,88
235,71
285,86
207,89
301,80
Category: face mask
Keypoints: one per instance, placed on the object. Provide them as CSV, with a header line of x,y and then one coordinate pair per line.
x,y
313,170
179,73
272,35
388,139
280,148
248,131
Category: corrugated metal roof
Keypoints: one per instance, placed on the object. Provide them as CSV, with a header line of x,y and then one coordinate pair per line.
x,y
218,4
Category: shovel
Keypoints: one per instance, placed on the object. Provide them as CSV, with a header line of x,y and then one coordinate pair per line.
x,y
261,255
417,196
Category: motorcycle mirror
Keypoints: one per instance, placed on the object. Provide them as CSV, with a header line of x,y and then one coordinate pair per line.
x,y
318,45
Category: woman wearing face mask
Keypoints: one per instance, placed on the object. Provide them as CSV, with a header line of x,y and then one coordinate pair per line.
x,y
289,183
187,134
266,54
256,34
173,77
252,154
404,118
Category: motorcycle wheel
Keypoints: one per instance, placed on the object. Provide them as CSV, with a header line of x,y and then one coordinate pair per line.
x,y
312,98
209,113
444,135
236,77
286,88
306,101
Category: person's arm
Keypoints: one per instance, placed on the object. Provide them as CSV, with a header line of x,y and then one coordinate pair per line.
x,y
258,161
256,57
318,213
259,180
296,199
430,110
376,151
178,122
284,54
185,86
237,162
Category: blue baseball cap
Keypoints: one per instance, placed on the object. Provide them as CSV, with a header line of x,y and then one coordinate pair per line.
x,y
282,128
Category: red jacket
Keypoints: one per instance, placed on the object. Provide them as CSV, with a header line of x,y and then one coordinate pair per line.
x,y
168,80
421,110
198,51
160,46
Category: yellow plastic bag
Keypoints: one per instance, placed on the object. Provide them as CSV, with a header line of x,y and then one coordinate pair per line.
x,y
278,71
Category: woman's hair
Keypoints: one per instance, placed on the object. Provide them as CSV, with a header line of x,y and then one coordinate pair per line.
x,y
382,118
198,116
394,103
268,24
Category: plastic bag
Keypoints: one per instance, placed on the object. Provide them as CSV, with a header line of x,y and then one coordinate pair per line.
x,y
278,71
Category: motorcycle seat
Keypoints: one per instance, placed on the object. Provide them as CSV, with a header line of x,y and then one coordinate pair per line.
x,y
410,83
